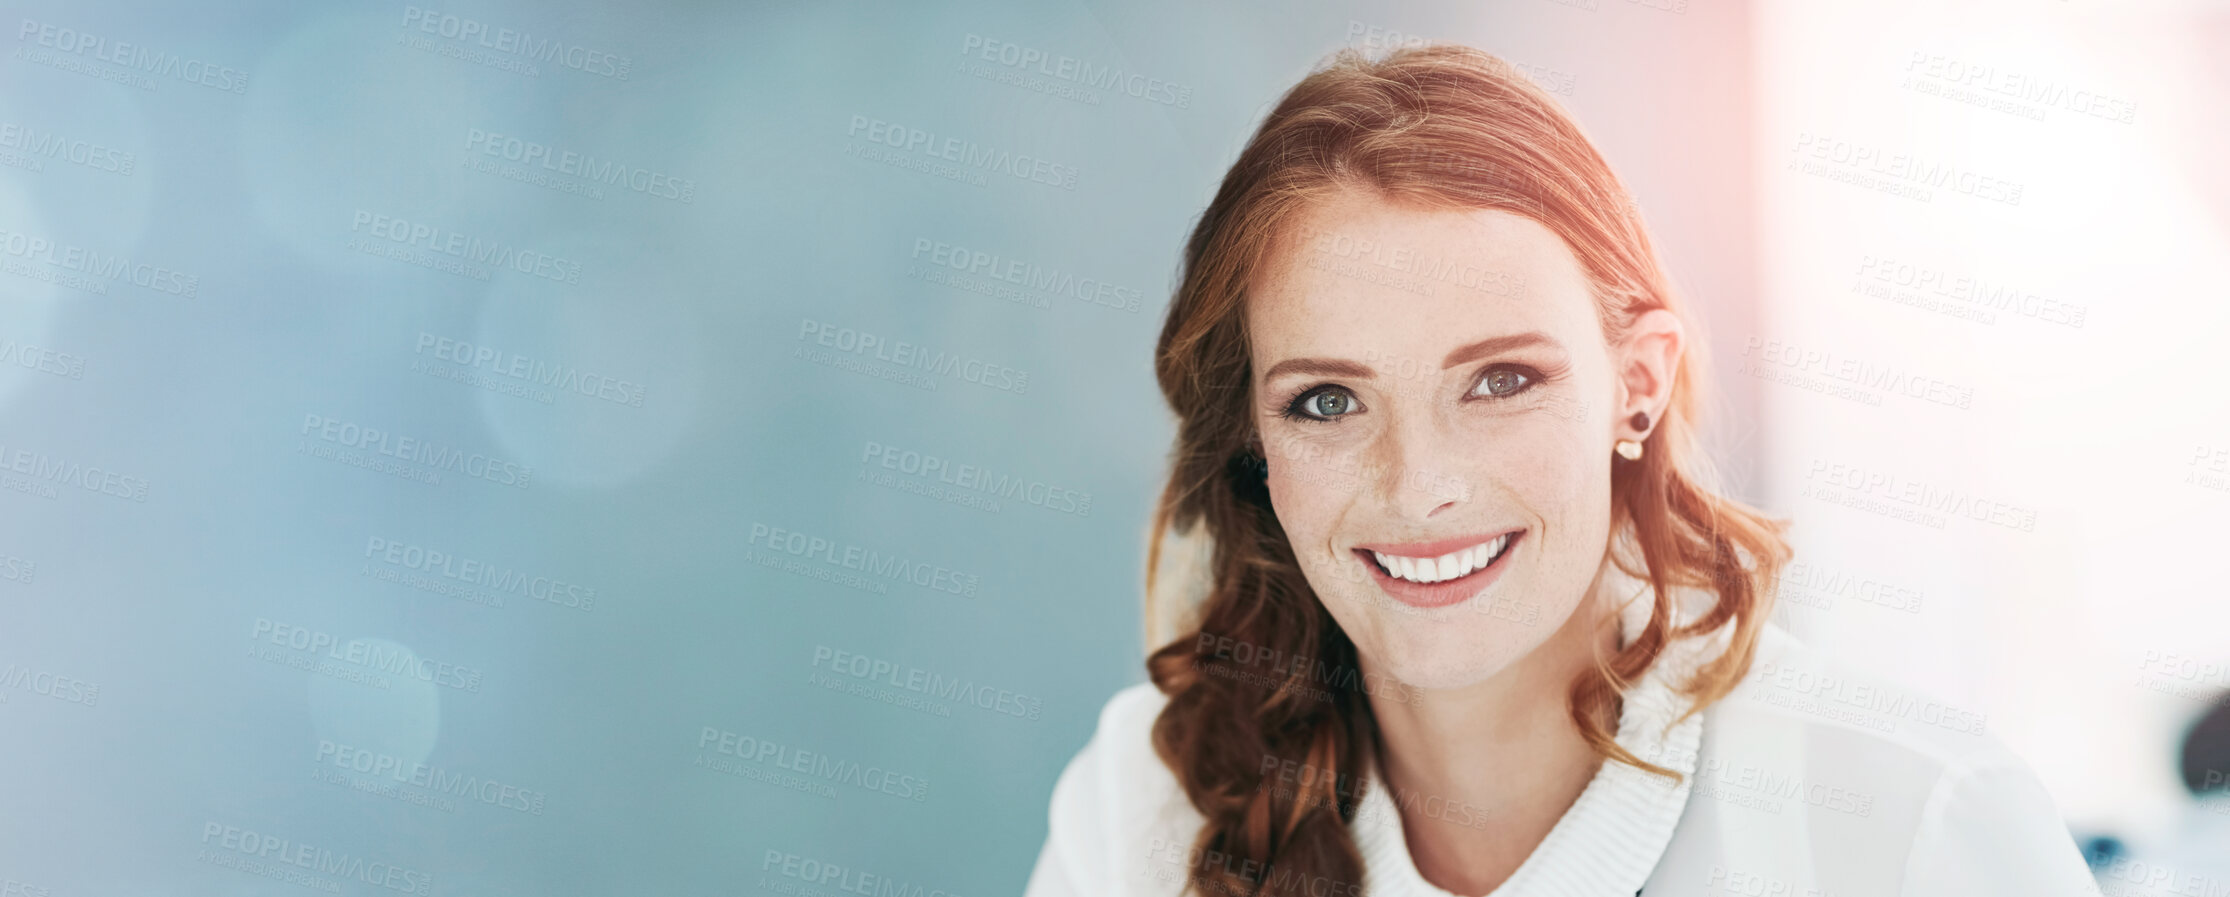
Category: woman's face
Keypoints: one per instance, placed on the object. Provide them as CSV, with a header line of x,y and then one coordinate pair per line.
x,y
1438,408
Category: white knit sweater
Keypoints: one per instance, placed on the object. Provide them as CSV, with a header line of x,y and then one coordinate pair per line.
x,y
1809,780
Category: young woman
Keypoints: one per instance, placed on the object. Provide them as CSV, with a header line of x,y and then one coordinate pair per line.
x,y
1475,623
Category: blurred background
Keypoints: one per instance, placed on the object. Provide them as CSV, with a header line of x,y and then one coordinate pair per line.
x,y
564,448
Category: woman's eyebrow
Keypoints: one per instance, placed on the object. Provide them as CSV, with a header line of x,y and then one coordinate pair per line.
x,y
1341,367
1496,344
1322,367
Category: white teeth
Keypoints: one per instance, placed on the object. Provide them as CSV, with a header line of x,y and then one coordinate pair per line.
x,y
1446,567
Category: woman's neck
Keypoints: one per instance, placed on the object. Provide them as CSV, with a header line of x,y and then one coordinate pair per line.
x,y
1481,773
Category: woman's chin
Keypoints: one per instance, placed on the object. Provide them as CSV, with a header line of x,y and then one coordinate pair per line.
x,y
1446,654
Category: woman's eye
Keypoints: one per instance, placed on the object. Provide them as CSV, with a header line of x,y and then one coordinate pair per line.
x,y
1324,403
1503,382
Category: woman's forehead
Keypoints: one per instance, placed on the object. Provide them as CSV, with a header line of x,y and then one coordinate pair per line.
x,y
1370,270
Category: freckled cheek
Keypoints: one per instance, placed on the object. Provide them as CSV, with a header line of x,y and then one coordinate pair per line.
x,y
1546,481
1542,468
1310,497
1537,480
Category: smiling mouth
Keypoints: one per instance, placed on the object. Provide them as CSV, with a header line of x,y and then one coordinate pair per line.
x,y
1450,567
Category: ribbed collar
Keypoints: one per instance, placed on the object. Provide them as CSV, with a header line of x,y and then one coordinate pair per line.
x,y
1614,834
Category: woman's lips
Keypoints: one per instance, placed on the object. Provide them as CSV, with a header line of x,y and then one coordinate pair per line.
x,y
1436,547
1446,592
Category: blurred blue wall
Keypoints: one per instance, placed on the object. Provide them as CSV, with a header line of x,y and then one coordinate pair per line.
x,y
641,448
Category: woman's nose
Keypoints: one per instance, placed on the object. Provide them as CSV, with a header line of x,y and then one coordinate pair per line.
x,y
1415,474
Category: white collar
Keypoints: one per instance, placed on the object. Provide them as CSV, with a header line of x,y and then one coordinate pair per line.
x,y
1614,834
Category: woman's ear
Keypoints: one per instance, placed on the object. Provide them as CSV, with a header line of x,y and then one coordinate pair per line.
x,y
1647,362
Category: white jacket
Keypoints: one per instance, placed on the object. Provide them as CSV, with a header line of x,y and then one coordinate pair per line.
x,y
1809,780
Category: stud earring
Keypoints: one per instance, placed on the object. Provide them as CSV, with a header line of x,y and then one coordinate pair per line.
x,y
1631,449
